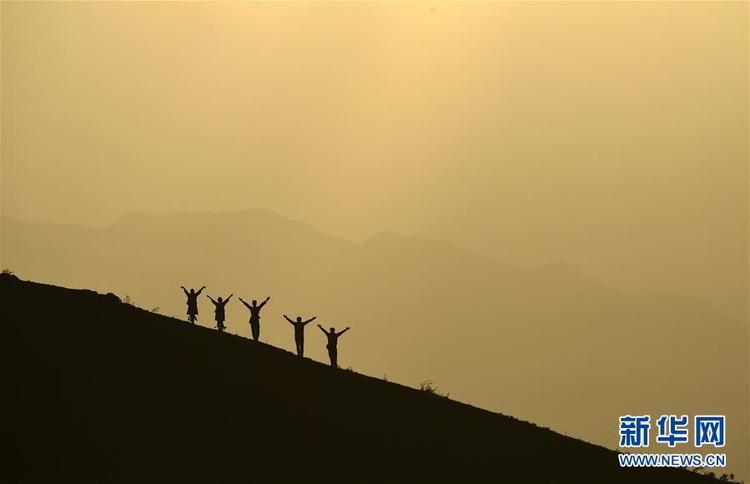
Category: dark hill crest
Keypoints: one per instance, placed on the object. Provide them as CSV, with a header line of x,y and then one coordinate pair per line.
x,y
97,390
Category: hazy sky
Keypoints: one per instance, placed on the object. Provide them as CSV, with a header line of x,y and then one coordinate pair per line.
x,y
610,135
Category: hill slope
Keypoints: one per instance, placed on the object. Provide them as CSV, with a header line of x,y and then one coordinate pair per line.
x,y
101,391
495,335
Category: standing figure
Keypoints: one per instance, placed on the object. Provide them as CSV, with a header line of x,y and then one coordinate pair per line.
x,y
219,311
255,316
192,303
299,333
333,339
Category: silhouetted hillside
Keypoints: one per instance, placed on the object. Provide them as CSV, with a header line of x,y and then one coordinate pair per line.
x,y
495,335
95,390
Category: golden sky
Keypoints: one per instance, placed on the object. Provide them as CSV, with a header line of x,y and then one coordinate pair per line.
x,y
612,136
609,135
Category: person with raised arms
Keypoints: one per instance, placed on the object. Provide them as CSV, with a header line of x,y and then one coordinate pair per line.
x,y
192,302
255,316
299,333
219,312
332,345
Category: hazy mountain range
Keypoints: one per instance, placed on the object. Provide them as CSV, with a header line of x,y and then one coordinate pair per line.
x,y
550,345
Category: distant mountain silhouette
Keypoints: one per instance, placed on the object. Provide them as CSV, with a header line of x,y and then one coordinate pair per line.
x,y
495,335
96,390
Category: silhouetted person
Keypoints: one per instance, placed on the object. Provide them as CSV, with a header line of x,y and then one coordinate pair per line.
x,y
219,311
255,316
299,332
192,302
333,339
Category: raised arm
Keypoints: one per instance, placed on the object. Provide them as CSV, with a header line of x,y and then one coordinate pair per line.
x,y
227,299
246,304
185,290
212,299
287,318
264,302
201,290
310,320
323,330
342,332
